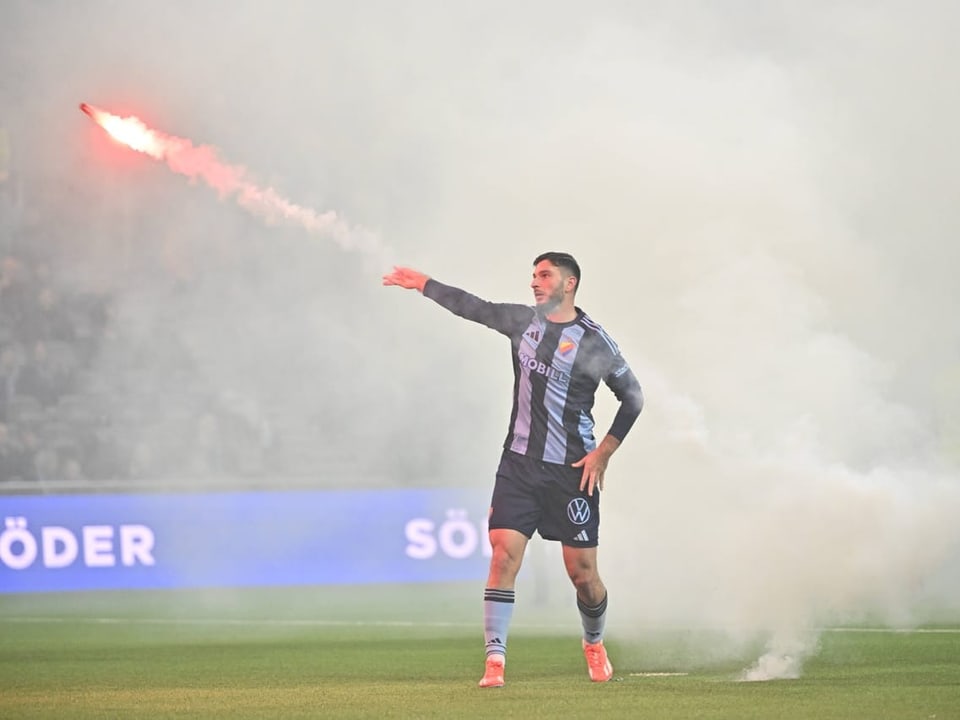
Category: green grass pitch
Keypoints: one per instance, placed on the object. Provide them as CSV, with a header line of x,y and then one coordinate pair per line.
x,y
415,652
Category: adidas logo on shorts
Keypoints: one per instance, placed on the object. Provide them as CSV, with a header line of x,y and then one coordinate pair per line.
x,y
582,536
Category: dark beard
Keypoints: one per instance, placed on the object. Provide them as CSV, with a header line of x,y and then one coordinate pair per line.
x,y
551,304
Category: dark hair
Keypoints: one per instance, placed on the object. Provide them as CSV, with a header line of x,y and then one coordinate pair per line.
x,y
562,260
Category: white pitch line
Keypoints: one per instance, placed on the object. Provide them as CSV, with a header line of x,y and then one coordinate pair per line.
x,y
658,674
38,619
230,621
303,622
905,631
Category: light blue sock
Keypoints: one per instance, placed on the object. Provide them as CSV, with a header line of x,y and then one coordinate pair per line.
x,y
594,619
497,611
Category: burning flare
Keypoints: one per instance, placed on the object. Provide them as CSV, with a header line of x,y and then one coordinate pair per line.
x,y
183,157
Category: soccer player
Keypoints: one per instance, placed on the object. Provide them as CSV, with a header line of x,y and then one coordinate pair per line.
x,y
552,469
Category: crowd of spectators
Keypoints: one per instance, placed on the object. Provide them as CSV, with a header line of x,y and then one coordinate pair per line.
x,y
66,414
46,340
75,407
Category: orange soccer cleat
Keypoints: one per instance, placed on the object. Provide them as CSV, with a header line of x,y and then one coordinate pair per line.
x,y
598,664
493,675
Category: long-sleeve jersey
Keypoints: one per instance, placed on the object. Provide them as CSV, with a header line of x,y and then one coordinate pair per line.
x,y
557,368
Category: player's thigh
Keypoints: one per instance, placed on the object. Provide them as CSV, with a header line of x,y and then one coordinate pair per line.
x,y
580,562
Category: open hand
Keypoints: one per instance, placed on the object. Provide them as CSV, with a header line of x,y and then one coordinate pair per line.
x,y
407,278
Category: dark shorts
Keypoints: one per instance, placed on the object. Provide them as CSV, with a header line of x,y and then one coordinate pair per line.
x,y
531,495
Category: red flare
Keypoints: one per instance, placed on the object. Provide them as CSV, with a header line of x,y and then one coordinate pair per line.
x,y
201,162
131,131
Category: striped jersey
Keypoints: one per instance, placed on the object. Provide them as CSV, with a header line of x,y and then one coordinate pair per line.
x,y
557,368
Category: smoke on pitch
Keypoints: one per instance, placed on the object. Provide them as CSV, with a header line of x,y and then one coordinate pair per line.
x,y
760,199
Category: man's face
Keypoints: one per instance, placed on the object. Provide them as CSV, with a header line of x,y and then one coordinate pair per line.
x,y
549,284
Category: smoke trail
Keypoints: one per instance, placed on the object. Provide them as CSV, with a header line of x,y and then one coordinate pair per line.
x,y
201,162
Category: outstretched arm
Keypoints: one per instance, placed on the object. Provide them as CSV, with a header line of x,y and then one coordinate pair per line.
x,y
407,278
502,317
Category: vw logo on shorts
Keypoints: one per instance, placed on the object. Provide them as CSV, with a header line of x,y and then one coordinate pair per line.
x,y
578,510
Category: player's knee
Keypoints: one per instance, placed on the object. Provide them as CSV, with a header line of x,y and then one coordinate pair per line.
x,y
590,589
584,576
505,559
584,580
